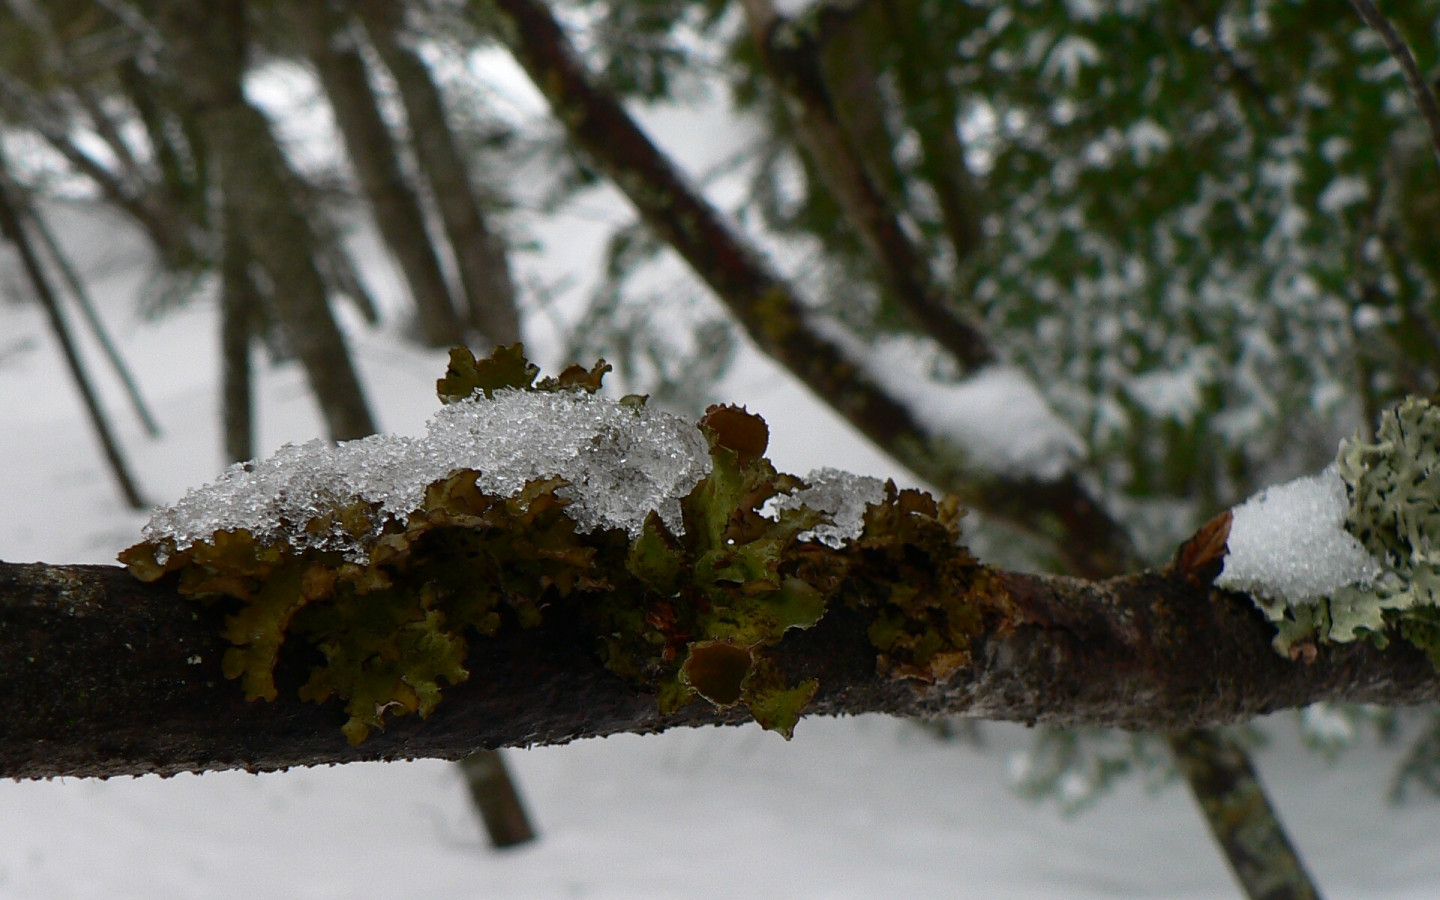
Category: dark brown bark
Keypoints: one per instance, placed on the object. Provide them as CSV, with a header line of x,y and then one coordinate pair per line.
x,y
480,256
101,674
208,48
371,148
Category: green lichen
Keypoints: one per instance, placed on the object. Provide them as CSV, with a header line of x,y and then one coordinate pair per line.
x,y
930,596
388,632
725,588
1393,481
694,615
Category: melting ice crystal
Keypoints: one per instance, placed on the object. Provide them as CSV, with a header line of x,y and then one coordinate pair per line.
x,y
621,462
843,495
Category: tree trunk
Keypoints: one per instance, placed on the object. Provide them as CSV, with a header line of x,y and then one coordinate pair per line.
x,y
239,311
101,674
493,793
479,252
371,149
207,46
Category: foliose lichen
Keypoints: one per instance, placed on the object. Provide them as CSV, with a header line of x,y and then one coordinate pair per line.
x,y
1393,484
691,613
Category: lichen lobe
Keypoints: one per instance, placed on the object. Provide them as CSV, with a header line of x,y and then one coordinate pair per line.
x,y
693,613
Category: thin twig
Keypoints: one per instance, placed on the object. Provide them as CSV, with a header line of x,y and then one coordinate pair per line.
x,y
76,284
1420,90
13,230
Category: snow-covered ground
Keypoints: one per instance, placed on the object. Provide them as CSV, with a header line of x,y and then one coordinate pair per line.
x,y
855,808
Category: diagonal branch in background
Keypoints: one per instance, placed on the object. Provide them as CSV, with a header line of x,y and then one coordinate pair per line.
x,y
101,674
1420,91
791,56
331,48
77,288
1091,542
1232,800
932,110
770,311
791,52
12,227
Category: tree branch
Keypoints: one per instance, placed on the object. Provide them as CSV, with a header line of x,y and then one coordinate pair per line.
x,y
770,311
1420,90
791,55
101,674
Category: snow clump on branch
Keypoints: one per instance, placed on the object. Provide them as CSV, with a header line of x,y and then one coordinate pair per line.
x,y
621,460
1289,542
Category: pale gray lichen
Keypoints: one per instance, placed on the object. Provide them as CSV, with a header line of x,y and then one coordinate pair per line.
x,y
1393,483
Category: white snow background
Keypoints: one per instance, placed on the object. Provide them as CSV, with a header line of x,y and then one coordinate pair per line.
x,y
855,808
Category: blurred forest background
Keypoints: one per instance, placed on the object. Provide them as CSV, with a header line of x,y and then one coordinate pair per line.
x,y
1206,233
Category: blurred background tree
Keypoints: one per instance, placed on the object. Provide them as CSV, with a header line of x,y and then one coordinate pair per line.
x,y
1207,233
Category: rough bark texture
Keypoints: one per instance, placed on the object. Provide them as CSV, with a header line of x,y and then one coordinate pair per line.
x,y
102,675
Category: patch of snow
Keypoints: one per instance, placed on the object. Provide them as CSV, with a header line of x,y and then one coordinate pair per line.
x,y
621,463
1328,724
1147,139
996,416
1343,191
1289,542
1169,394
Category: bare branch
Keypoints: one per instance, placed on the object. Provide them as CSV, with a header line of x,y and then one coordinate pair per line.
x,y
791,55
1420,90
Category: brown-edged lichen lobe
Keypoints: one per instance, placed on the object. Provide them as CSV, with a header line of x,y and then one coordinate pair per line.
x,y
700,612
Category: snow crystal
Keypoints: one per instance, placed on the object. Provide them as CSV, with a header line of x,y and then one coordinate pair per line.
x,y
997,415
621,463
843,495
1289,542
